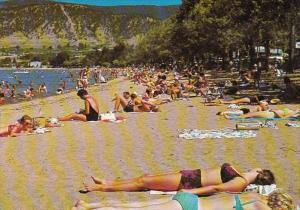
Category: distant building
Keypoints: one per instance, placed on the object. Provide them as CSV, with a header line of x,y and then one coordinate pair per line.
x,y
35,64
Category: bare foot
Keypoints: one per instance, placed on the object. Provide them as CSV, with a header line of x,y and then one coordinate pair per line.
x,y
92,187
80,205
99,181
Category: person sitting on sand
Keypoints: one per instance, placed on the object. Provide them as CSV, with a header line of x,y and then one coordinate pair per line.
x,y
91,111
280,113
140,105
124,102
277,200
132,103
201,182
22,125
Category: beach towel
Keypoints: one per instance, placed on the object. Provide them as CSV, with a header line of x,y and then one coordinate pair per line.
x,y
41,130
190,134
261,189
234,106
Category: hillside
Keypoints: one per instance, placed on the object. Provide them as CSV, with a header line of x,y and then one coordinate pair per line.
x,y
44,24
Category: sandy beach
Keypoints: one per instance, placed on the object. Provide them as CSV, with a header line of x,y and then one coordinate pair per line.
x,y
46,171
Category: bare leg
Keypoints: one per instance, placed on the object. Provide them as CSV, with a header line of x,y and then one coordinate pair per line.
x,y
158,204
260,114
165,182
237,101
142,108
119,101
73,116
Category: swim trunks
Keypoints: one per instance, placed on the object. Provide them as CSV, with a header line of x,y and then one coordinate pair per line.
x,y
190,179
187,201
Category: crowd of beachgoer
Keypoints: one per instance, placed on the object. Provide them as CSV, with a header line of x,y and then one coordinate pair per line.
x,y
224,185
10,93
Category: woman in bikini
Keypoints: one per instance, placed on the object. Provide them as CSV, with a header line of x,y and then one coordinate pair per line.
x,y
91,111
24,124
279,113
277,200
201,182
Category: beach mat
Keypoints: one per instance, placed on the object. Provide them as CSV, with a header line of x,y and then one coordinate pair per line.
x,y
190,134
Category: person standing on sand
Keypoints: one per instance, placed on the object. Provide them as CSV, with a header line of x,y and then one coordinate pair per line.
x,y
90,113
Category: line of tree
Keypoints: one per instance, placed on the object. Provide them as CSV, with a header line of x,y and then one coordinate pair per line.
x,y
203,29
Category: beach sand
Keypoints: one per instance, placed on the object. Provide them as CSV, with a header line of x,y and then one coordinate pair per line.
x,y
46,171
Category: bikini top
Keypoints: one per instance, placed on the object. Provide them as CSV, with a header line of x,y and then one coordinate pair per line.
x,y
228,173
239,205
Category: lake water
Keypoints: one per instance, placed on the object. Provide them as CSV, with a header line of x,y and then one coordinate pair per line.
x,y
52,79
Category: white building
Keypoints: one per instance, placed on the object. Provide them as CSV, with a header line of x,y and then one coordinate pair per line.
x,y
35,64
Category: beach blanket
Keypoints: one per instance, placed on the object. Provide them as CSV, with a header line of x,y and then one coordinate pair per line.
x,y
215,134
295,125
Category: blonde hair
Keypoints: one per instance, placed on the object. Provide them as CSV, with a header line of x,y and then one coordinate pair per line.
x,y
280,200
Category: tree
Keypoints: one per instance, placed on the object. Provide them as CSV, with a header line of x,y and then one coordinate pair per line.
x,y
59,59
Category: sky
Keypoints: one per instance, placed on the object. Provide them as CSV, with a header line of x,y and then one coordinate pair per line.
x,y
121,2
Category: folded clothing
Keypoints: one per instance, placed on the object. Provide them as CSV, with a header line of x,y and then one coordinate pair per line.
x,y
261,189
108,117
111,117
41,130
215,134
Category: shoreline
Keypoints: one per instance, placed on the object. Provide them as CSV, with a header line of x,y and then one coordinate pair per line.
x,y
33,69
91,88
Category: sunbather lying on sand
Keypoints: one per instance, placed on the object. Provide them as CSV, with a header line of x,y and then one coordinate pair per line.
x,y
91,111
263,106
201,182
245,100
24,124
186,201
284,113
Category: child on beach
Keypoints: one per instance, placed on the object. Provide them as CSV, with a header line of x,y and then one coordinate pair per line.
x,y
22,125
